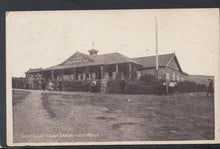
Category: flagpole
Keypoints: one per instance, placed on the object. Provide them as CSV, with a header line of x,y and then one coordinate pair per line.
x,y
156,49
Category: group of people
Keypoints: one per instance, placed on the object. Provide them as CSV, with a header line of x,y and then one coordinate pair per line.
x,y
52,85
170,86
91,86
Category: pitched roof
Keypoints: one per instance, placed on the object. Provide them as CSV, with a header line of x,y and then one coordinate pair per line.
x,y
150,61
105,59
31,70
114,58
117,58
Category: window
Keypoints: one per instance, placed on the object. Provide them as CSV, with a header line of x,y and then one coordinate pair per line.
x,y
177,77
87,76
138,74
174,76
80,76
66,77
167,76
93,76
110,74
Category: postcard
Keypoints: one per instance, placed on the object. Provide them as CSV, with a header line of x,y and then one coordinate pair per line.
x,y
113,77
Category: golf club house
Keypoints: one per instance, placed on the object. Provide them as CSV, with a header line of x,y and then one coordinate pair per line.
x,y
92,66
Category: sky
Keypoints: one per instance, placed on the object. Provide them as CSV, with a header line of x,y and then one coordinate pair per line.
x,y
45,38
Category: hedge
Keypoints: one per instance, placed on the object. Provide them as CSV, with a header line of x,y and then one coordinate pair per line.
x,y
190,86
80,86
113,86
135,87
142,86
19,82
149,85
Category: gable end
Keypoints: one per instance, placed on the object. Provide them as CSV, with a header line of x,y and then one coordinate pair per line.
x,y
174,64
78,58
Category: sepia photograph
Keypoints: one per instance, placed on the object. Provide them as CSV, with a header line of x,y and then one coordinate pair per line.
x,y
90,77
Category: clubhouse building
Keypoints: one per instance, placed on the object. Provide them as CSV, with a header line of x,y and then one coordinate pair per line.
x,y
92,66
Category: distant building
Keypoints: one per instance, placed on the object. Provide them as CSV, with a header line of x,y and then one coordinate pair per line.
x,y
92,66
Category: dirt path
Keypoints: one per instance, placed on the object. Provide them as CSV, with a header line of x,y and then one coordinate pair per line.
x,y
45,116
33,122
30,115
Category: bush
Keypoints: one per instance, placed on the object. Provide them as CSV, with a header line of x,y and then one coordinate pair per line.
x,y
19,82
135,87
190,86
80,86
113,86
152,87
140,87
148,79
75,86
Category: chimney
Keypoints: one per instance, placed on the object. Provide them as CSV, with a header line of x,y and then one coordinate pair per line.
x,y
93,52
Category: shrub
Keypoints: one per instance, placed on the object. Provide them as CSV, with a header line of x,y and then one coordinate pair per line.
x,y
19,82
135,87
36,84
140,87
148,79
80,86
75,86
98,86
190,86
113,86
152,87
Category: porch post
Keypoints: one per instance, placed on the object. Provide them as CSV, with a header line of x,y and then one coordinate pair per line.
x,y
102,72
74,73
116,68
61,75
84,76
129,70
52,74
90,78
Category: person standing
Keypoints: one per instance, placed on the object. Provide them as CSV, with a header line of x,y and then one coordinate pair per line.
x,y
171,86
93,86
50,85
123,85
60,85
210,88
43,85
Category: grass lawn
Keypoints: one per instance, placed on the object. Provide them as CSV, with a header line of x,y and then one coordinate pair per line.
x,y
18,96
114,117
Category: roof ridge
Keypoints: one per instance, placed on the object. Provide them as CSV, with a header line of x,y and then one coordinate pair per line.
x,y
107,54
154,55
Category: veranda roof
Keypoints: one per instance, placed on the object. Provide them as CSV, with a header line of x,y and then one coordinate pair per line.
x,y
33,70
